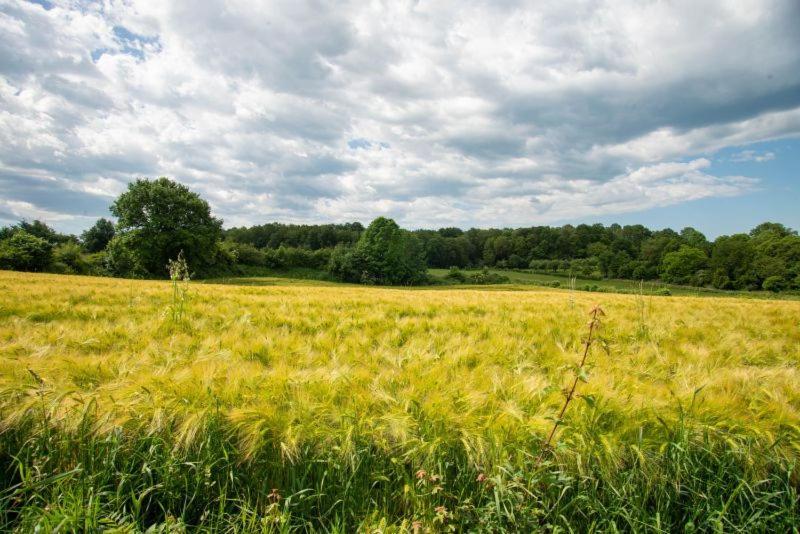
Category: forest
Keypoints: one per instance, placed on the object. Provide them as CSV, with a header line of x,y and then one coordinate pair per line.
x,y
157,219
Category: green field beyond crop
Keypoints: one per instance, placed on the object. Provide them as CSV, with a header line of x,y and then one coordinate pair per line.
x,y
135,405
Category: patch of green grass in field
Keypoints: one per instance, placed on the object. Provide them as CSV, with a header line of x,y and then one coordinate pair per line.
x,y
615,285
262,276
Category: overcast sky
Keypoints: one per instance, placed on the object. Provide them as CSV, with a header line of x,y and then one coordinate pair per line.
x,y
496,113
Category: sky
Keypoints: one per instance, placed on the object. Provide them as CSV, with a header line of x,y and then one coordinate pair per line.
x,y
500,113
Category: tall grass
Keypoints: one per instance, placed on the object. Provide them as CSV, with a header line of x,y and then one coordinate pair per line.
x,y
344,408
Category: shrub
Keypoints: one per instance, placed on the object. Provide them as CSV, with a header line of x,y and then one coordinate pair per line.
x,y
122,260
774,283
244,253
485,278
68,258
456,275
25,252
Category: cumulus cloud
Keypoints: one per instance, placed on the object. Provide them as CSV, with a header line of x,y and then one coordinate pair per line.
x,y
466,113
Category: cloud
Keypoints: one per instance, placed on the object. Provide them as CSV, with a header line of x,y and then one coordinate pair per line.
x,y
752,155
467,113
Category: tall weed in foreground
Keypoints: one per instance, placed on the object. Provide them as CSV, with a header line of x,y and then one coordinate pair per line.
x,y
580,376
179,275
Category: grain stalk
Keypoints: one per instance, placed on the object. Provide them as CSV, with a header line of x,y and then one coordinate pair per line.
x,y
593,324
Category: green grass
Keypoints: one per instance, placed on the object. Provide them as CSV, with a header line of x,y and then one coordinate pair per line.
x,y
616,285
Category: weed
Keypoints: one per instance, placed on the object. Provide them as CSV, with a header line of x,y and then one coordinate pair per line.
x,y
179,275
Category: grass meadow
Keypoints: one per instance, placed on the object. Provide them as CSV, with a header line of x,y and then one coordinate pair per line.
x,y
321,407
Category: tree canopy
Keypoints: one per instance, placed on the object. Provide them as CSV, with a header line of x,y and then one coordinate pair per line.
x,y
97,237
156,219
385,254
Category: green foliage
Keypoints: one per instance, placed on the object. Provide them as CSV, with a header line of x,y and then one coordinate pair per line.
x,y
312,237
682,266
179,275
122,259
774,283
456,275
98,236
485,277
25,252
156,220
69,258
36,228
384,255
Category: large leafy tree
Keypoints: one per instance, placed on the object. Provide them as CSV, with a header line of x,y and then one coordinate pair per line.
x,y
156,219
385,254
97,237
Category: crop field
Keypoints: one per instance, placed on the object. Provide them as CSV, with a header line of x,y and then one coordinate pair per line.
x,y
127,405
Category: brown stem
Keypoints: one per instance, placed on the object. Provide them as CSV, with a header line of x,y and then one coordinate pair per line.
x,y
592,325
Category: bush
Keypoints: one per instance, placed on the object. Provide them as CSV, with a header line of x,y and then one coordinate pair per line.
x,y
68,259
289,257
25,252
244,253
456,275
485,278
122,260
774,284
663,291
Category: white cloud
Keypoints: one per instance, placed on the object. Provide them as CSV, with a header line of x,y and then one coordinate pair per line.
x,y
486,113
752,155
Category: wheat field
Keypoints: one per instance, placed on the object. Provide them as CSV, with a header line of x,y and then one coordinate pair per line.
x,y
337,408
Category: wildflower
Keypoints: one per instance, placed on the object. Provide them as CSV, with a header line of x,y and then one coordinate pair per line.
x,y
274,496
481,477
421,474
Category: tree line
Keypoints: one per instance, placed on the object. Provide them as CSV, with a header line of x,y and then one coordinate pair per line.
x,y
157,219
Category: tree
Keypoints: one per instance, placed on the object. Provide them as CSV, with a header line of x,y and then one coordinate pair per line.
x,y
156,220
695,239
385,254
37,229
97,237
25,252
683,265
732,261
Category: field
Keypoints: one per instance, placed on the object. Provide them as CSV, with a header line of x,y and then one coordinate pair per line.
x,y
325,407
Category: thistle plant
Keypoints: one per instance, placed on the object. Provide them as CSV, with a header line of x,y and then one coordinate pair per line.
x,y
179,274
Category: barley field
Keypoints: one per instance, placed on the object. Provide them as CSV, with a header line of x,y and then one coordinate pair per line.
x,y
127,406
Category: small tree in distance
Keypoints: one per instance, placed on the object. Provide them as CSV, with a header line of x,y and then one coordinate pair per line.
x,y
384,255
97,237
